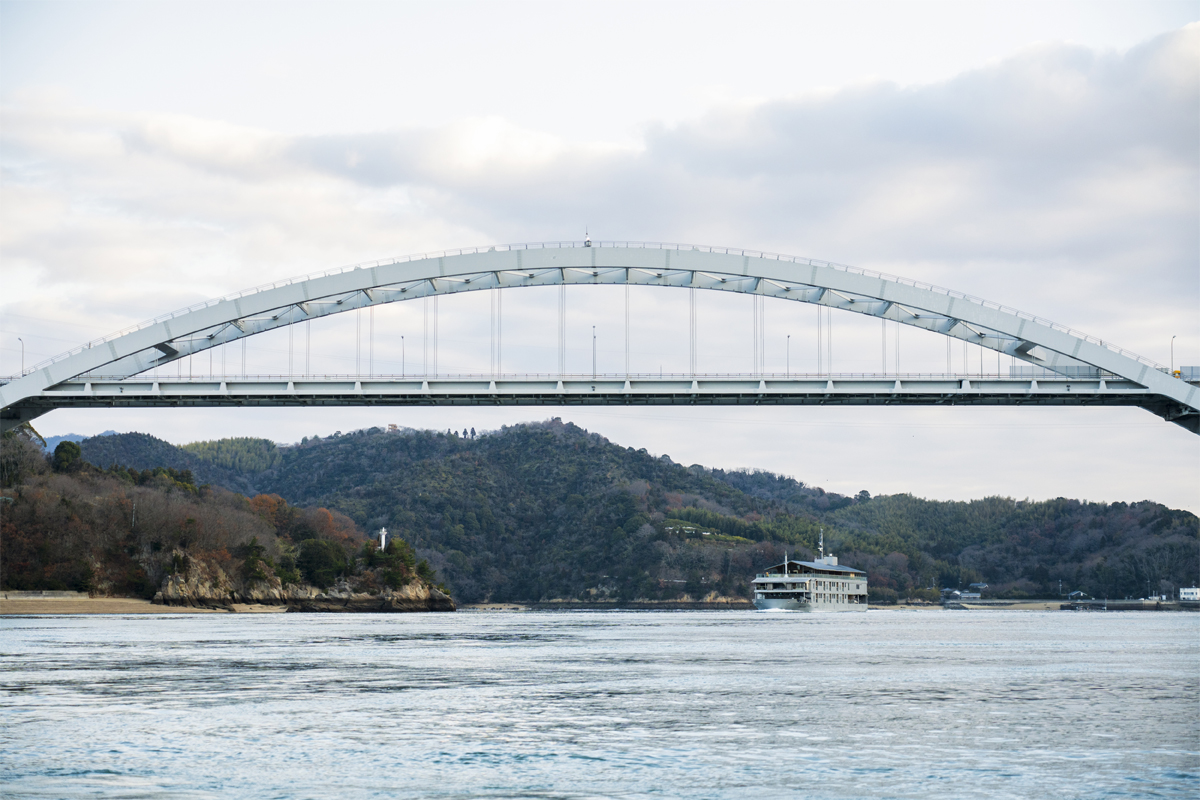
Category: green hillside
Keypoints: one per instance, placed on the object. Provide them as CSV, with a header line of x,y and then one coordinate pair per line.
x,y
67,525
143,451
244,455
552,511
549,510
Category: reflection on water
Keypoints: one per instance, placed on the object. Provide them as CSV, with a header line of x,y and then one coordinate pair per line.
x,y
602,704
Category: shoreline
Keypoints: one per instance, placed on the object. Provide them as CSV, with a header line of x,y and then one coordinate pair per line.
x,y
16,604
13,604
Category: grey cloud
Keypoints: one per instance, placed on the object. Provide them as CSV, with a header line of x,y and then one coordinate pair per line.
x,y
1061,181
1061,174
1054,105
377,160
1018,154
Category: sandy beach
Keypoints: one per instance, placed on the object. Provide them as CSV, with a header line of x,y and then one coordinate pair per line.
x,y
17,604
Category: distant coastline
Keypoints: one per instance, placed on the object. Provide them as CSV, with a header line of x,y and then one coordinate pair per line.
x,y
14,604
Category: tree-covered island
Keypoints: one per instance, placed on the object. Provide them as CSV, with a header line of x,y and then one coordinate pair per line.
x,y
538,513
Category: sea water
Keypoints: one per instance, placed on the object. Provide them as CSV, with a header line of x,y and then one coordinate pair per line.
x,y
896,704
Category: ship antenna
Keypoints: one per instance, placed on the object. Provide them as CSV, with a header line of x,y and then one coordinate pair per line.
x,y
821,544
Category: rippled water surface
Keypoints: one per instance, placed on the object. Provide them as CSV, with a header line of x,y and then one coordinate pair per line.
x,y
602,704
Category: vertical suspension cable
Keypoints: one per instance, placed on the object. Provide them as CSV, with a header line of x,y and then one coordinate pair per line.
x,y
820,344
626,323
883,321
371,341
307,347
492,333
692,329
435,335
949,369
290,372
829,339
243,356
210,355
499,331
754,333
964,371
762,334
562,327
760,329
223,347
425,339
358,342
897,363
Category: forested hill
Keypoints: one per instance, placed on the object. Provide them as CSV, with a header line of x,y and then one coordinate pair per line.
x,y
534,512
231,463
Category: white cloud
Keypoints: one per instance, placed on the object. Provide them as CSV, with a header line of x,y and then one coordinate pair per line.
x,y
1062,180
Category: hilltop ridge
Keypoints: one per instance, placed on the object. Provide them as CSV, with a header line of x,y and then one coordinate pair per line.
x,y
550,511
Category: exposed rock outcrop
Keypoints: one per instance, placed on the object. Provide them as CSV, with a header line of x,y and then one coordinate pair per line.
x,y
206,585
415,596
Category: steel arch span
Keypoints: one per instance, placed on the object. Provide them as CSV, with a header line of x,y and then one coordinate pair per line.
x,y
63,381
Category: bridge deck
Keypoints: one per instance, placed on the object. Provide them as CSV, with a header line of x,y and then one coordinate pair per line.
x,y
612,390
591,390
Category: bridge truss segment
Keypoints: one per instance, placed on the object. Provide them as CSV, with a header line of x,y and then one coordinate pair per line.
x,y
219,322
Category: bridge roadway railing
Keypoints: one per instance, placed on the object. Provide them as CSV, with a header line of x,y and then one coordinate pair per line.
x,y
548,389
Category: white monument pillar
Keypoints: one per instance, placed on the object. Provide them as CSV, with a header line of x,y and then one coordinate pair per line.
x,y
383,538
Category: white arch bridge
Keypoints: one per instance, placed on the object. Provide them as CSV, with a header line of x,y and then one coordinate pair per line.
x,y
1070,368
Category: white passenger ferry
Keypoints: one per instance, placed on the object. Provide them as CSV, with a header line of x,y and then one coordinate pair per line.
x,y
821,585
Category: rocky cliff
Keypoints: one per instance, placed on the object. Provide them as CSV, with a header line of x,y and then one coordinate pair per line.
x,y
206,585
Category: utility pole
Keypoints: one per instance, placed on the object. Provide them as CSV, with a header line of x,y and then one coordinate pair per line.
x,y
1172,358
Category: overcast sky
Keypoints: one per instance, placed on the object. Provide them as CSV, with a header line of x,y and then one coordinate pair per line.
x,y
1043,155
